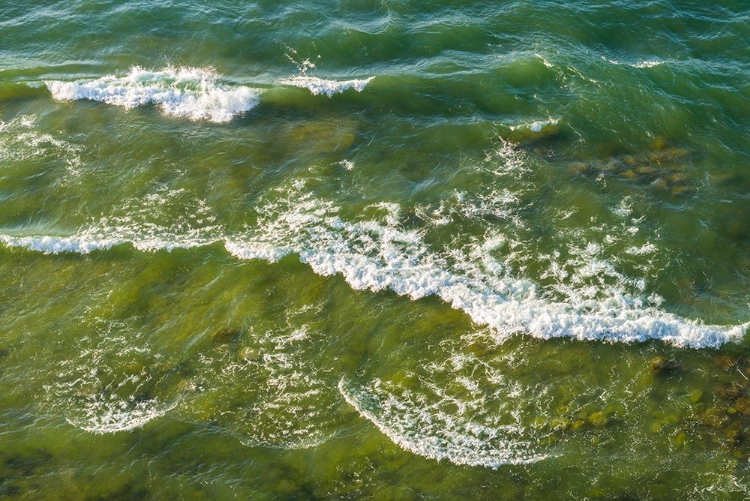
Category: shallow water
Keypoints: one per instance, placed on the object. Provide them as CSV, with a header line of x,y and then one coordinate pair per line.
x,y
374,249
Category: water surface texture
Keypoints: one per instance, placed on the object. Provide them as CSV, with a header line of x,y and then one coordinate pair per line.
x,y
374,249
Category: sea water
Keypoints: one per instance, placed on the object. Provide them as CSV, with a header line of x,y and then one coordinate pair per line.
x,y
378,249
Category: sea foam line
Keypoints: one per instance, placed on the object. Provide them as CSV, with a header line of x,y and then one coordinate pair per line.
x,y
431,433
191,93
374,256
112,417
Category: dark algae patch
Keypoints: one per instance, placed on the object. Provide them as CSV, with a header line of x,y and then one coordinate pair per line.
x,y
21,473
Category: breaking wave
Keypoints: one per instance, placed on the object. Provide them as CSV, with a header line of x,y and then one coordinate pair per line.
x,y
193,93
318,86
379,255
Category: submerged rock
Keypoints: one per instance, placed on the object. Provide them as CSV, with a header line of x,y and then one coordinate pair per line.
x,y
323,137
716,417
695,395
249,354
577,168
683,190
663,365
659,143
482,350
578,425
225,335
680,439
287,487
598,419
28,463
559,424
730,392
661,168
736,228
742,405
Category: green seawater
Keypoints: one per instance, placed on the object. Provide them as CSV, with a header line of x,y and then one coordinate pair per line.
x,y
374,250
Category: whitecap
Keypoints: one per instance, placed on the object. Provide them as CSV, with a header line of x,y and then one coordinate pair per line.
x,y
319,86
374,255
638,64
346,164
107,385
47,244
192,93
646,64
536,126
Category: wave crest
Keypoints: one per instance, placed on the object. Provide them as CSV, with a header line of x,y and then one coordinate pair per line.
x,y
191,93
318,86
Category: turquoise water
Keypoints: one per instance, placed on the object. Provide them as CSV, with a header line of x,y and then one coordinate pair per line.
x,y
390,250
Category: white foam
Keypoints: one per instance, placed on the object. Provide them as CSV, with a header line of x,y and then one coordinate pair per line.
x,y
21,139
191,93
276,397
646,64
101,390
544,61
586,297
319,86
346,164
647,248
377,256
111,417
56,245
424,427
507,160
637,64
536,126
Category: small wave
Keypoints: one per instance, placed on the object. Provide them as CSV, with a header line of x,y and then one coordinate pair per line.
x,y
425,429
637,64
421,275
119,394
507,305
55,245
112,417
191,93
529,132
536,126
646,64
590,301
318,86
96,241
